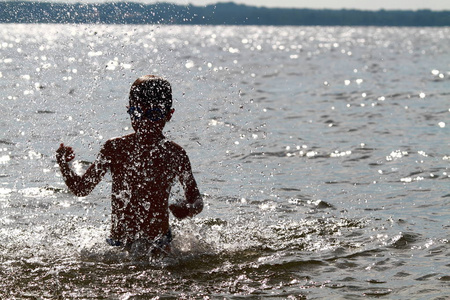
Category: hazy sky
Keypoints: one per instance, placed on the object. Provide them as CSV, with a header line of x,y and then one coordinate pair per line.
x,y
333,4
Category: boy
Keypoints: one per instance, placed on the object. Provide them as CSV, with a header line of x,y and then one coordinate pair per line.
x,y
144,166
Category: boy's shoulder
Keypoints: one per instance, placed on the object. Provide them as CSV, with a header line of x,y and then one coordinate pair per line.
x,y
172,145
122,139
126,140
175,149
119,141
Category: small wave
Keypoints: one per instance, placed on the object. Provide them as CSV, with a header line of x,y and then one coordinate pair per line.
x,y
54,189
377,292
45,112
317,204
426,277
404,240
309,154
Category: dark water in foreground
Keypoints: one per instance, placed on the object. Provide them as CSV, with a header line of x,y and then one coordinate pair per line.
x,y
323,155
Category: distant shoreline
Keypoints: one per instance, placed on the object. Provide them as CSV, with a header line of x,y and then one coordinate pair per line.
x,y
217,14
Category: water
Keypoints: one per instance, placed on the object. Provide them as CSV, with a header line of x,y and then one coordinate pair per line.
x,y
322,153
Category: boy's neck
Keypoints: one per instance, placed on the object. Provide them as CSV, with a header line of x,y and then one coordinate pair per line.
x,y
149,137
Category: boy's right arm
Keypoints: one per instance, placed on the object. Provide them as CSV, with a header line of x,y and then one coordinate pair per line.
x,y
193,203
79,185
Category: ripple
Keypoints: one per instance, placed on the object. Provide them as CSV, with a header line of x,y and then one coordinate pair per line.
x,y
404,240
377,292
444,278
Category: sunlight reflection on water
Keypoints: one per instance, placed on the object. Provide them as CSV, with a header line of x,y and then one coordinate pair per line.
x,y
322,154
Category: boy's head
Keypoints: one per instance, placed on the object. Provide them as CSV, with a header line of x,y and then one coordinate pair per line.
x,y
152,93
150,104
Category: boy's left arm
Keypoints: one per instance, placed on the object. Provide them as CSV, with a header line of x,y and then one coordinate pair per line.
x,y
193,203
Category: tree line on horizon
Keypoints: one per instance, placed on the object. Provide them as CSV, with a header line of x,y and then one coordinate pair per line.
x,y
217,14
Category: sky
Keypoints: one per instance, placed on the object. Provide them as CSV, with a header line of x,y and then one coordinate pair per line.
x,y
331,4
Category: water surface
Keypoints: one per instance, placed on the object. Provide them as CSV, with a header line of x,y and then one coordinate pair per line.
x,y
322,153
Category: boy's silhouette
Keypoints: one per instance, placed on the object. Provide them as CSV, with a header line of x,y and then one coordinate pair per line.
x,y
144,165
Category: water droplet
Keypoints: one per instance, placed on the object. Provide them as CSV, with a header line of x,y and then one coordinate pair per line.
x,y
189,64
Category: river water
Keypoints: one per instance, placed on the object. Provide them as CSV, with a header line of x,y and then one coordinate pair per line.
x,y
322,154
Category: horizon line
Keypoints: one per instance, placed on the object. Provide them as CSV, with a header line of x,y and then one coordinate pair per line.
x,y
218,3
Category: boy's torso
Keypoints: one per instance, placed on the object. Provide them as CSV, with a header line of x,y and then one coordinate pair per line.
x,y
142,174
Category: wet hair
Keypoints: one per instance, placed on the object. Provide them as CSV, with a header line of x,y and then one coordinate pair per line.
x,y
151,91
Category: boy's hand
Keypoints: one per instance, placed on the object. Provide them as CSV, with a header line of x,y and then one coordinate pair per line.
x,y
183,209
64,154
180,210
